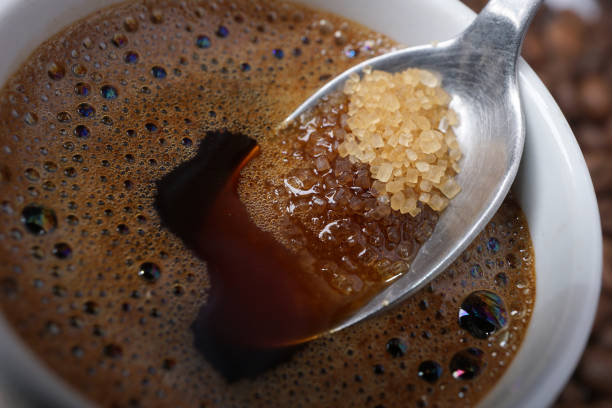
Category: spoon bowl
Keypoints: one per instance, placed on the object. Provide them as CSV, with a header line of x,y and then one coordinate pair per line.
x,y
479,70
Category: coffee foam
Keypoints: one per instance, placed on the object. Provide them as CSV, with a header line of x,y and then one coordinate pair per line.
x,y
98,313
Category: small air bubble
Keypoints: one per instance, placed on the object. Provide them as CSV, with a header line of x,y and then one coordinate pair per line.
x,y
130,24
86,110
203,41
109,92
56,71
32,175
39,220
157,16
62,250
222,32
82,132
158,72
149,271
278,53
30,118
64,117
131,57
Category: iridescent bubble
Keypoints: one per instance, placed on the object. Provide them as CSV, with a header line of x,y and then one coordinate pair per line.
x,y
56,71
158,72
466,364
82,89
222,32
278,53
430,371
82,132
86,110
38,220
476,271
151,127
149,271
30,118
130,24
351,53
396,347
119,40
203,41
130,57
493,245
109,92
482,313
245,67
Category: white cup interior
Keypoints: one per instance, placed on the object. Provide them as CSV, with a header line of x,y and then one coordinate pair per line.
x,y
553,188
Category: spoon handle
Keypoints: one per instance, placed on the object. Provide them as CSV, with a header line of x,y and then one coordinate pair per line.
x,y
500,28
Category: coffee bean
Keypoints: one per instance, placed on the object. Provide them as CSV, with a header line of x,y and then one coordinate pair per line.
x,y
594,369
607,266
563,35
595,96
600,167
605,208
604,337
591,136
573,394
533,49
566,95
604,313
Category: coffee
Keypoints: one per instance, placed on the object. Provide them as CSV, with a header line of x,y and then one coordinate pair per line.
x,y
106,296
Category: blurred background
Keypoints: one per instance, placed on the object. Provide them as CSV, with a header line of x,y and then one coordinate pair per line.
x,y
569,45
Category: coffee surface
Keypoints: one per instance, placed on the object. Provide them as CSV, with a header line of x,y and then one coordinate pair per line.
x,y
106,296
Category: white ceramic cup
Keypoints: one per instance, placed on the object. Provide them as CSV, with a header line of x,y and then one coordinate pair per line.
x,y
553,188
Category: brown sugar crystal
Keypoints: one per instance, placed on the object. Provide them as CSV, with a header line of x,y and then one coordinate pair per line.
x,y
401,126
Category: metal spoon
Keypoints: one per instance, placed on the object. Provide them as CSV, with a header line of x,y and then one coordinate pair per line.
x,y
479,70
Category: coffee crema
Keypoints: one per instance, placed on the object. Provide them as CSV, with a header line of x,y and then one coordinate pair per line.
x,y
105,295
